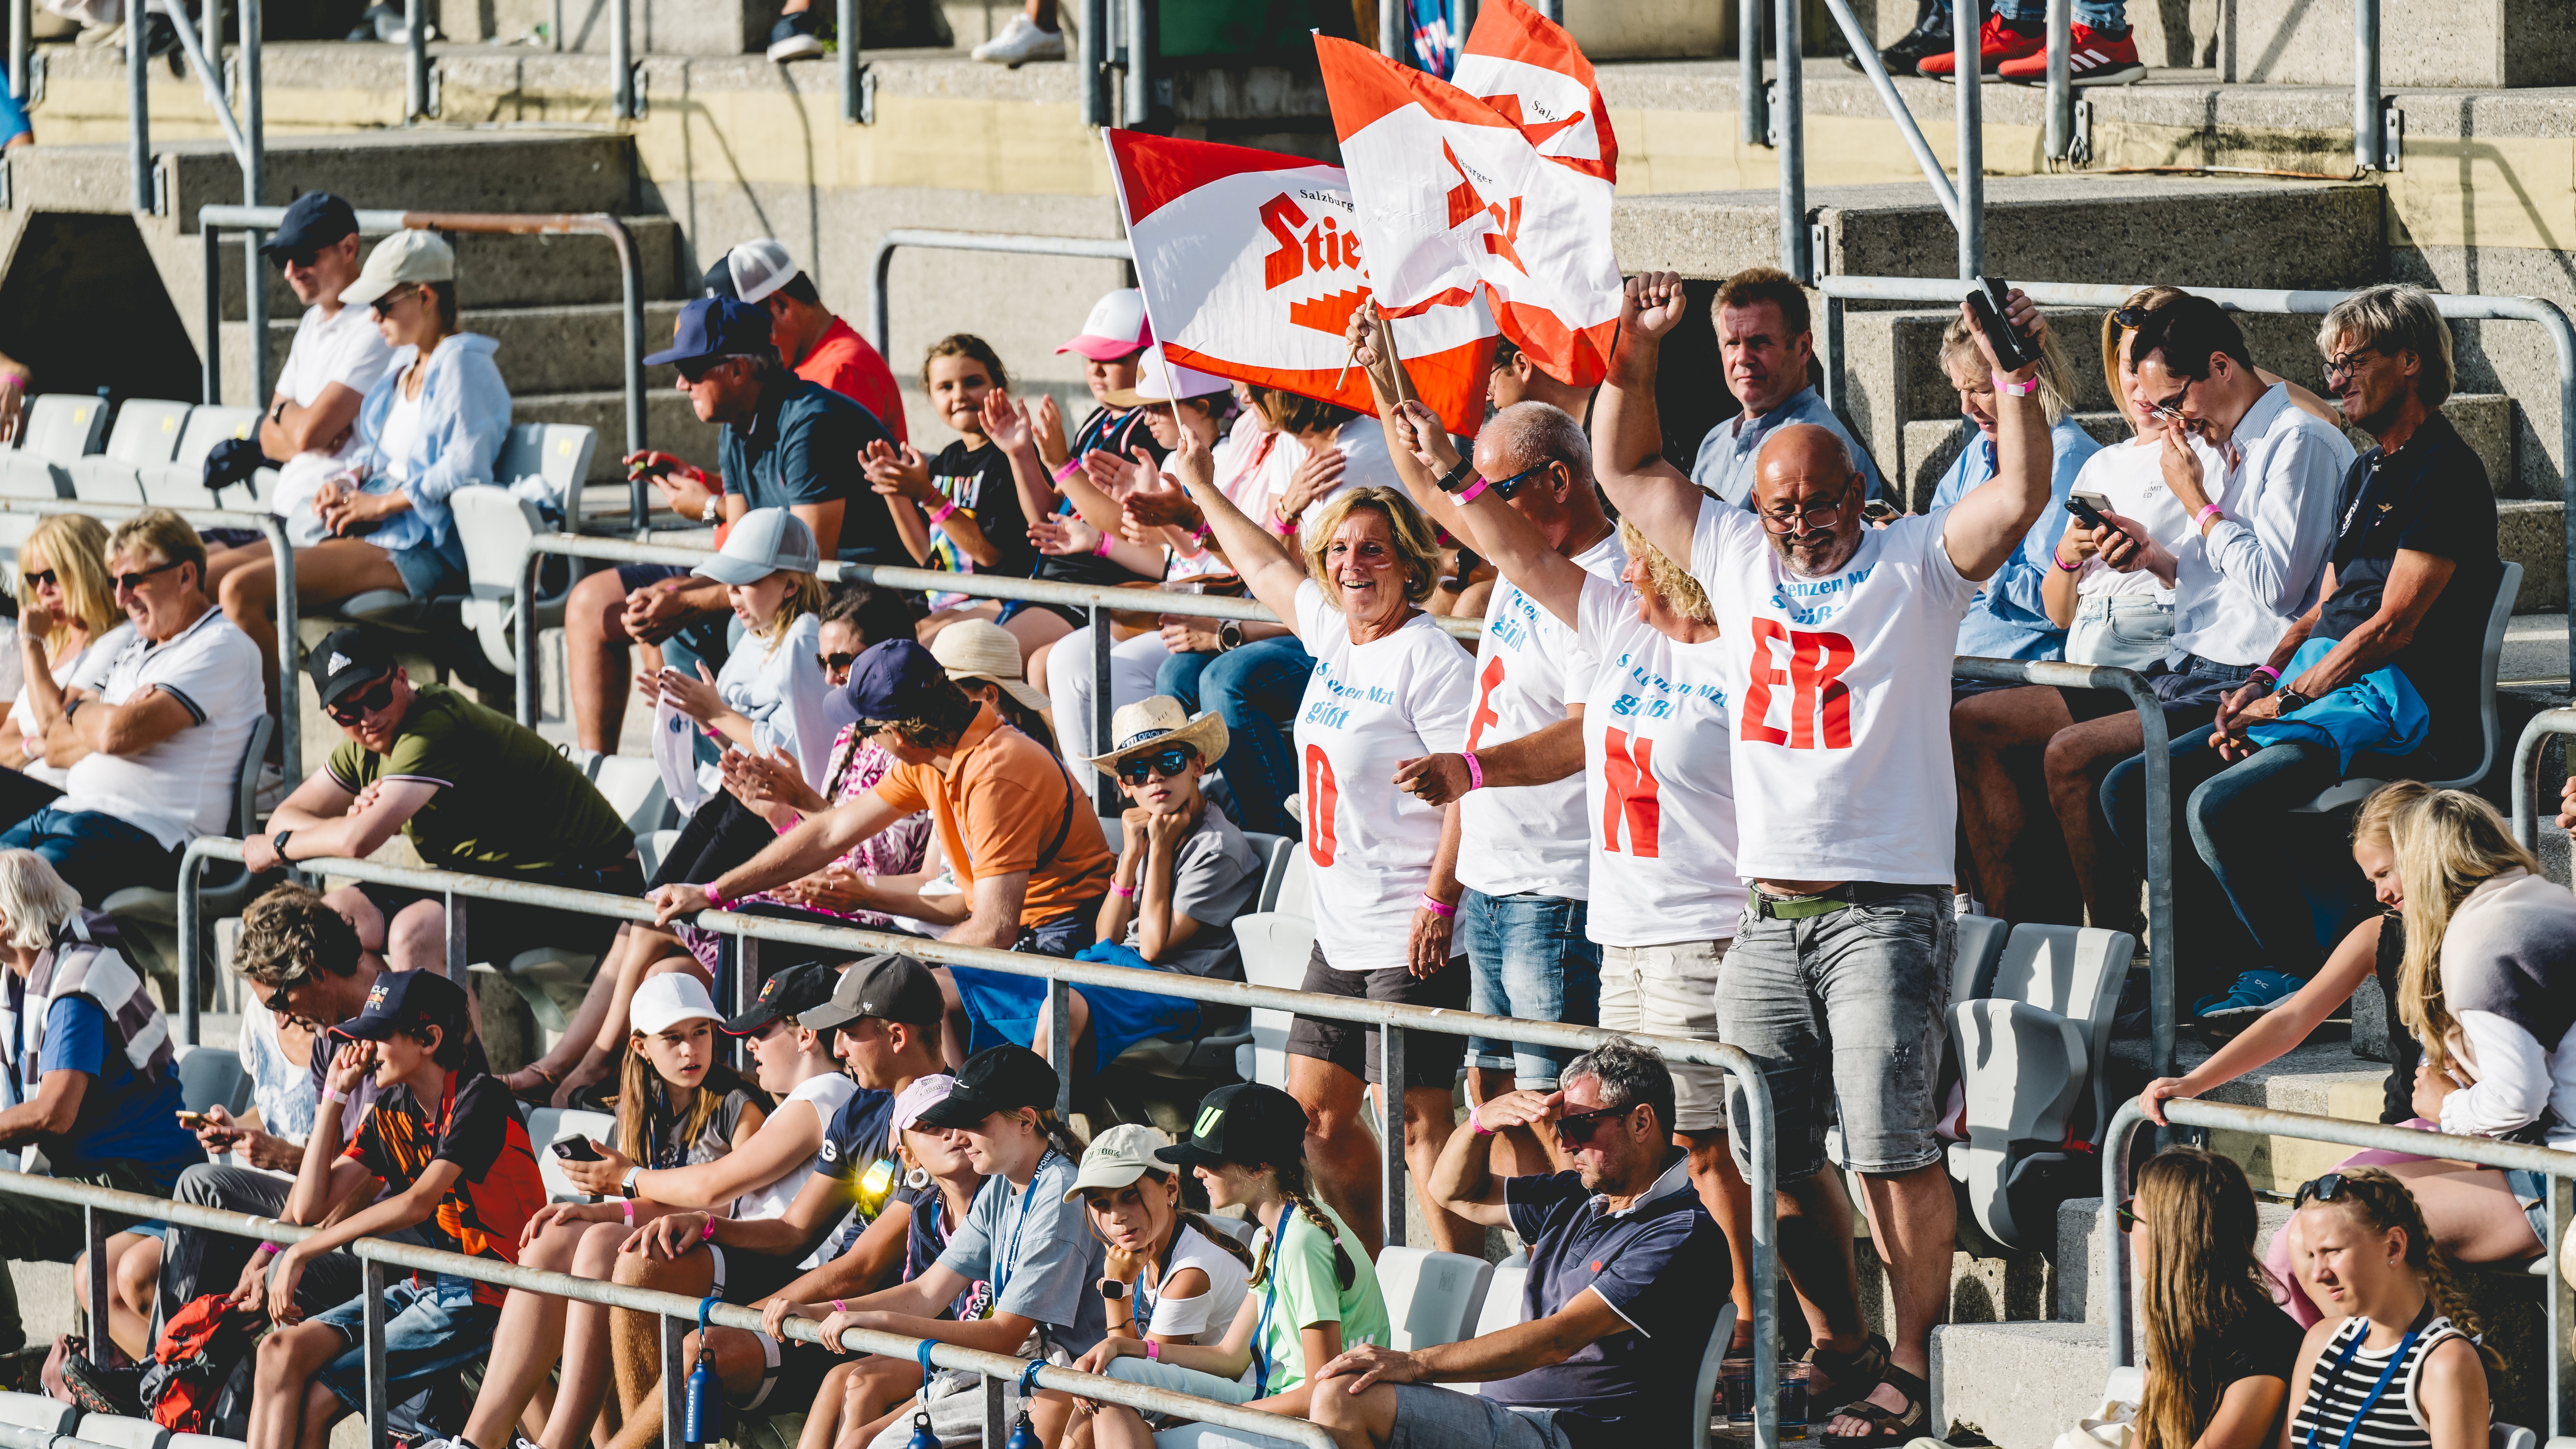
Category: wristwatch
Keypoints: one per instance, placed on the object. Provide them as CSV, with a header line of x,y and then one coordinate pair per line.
x,y
626,1185
714,509
2291,701
1229,635
1111,1290
1457,477
277,843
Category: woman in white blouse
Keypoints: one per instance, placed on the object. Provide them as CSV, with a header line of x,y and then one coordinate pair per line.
x,y
65,606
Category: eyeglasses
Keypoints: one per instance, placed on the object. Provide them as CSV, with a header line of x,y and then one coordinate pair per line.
x,y
836,663
1576,1130
695,370
385,302
129,583
2341,365
39,580
350,711
1136,769
2322,1189
2127,1213
2171,407
1813,516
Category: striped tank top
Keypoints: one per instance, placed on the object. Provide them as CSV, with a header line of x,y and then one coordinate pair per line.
x,y
2336,1393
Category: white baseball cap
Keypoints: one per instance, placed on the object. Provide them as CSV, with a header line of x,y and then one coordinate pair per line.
x,y
759,268
406,256
1118,1157
1116,327
665,1001
759,544
1160,380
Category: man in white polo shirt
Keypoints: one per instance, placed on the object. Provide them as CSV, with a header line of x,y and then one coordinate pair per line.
x,y
1523,854
154,724
1846,804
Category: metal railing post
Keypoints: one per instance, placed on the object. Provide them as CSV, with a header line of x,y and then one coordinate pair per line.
x,y
1792,118
1094,52
138,103
2061,83
845,33
2526,763
380,1405
459,943
94,1289
210,363
1136,91
675,1369
415,62
1059,1008
1390,1090
253,100
290,679
21,79
2368,151
997,1417
523,637
1393,22
621,60
1104,789
2561,1307
192,869
1971,216
1748,69
1897,111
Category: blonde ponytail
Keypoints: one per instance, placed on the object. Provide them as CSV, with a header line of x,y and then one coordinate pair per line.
x,y
2448,843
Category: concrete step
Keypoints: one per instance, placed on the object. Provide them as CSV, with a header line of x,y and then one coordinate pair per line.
x,y
520,169
2019,1384
707,27
2422,42
523,271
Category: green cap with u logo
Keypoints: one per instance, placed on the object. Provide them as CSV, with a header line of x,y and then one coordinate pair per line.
x,y
1246,1123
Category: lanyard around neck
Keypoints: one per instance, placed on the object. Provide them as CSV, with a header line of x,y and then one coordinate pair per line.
x,y
1008,1260
2352,1426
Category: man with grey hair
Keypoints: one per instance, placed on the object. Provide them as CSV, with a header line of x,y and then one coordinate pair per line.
x,y
1524,851
2406,591
1627,1277
1845,813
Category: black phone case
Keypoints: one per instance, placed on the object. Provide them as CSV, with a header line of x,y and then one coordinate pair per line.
x,y
1986,303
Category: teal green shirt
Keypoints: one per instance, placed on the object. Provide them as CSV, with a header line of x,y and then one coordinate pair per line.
x,y
1303,1291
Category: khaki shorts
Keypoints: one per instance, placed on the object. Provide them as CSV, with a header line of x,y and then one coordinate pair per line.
x,y
1671,990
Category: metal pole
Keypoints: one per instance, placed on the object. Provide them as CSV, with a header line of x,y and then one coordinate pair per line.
x,y
2160,897
621,62
1094,51
415,63
845,24
22,48
1793,143
1105,790
255,316
210,363
1059,1006
290,682
2061,84
675,1368
254,127
1763,1186
555,27
1137,98
1390,1097
192,867
523,635
2115,1257
210,77
2526,760
1971,215
631,276
1392,24
380,1404
2368,153
94,1289
2562,1309
1748,65
1897,110
997,1418
138,114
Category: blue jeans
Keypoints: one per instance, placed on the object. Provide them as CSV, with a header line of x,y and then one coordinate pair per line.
x,y
1532,960
431,1328
95,853
2091,14
2239,892
1251,689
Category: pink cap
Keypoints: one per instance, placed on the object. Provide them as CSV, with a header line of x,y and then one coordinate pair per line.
x,y
924,1094
1116,327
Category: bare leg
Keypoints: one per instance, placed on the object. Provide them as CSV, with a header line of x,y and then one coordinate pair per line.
x,y
416,938
1429,1118
636,1341
321,1407
1815,1243
1035,629
875,1388
1338,1147
596,644
2470,1211
1914,1219
1982,728
363,918
650,953
1516,1150
824,1423
127,1254
1078,1010
2076,760
546,1070
575,1415
526,1341
1722,1190
282,1377
326,573
928,629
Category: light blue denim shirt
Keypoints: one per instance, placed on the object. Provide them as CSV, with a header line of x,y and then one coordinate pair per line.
x,y
464,420
1725,463
2009,620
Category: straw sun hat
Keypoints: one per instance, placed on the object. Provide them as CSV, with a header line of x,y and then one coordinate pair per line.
x,y
1152,724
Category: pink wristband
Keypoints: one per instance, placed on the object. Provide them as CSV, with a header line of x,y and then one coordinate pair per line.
x,y
626,1209
1119,890
1475,772
1153,1350
940,514
2023,388
1476,1123
1105,542
2201,519
1472,491
839,1307
2270,674
1436,908
709,1235
715,898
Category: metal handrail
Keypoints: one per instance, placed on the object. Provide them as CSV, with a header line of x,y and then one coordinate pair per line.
x,y
671,1308
1393,1020
2153,747
2278,302
2556,1167
880,303
280,552
253,221
2526,765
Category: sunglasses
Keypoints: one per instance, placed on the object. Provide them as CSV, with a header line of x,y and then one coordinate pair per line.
x,y
2322,1189
351,710
2341,365
129,583
1506,487
38,581
1169,763
385,303
695,370
836,663
2130,319
2127,1213
1815,516
298,259
276,1001
1577,1130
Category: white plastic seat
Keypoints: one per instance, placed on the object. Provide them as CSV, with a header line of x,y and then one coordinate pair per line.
x,y
212,1077
1276,945
633,788
550,1125
2377,770
38,1412
1503,1306
203,1441
57,428
1981,946
180,482
495,525
1274,851
146,433
1431,1296
2512,1436
119,1432
558,453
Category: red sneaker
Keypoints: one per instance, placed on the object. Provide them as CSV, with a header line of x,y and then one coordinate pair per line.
x,y
1997,43
2096,60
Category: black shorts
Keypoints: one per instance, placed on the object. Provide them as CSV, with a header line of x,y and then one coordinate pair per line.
x,y
1075,617
1431,1059
792,1374
744,1277
507,926
722,835
2086,705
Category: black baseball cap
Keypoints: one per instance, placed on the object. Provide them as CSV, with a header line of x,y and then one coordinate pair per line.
x,y
347,659
718,282
792,992
996,1079
714,328
893,680
1246,1122
406,1001
313,221
889,987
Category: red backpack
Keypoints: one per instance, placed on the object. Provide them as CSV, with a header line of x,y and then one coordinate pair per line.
x,y
201,1347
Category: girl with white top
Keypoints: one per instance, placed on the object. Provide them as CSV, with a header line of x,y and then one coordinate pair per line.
x,y
2395,1364
66,606
1388,687
1173,1277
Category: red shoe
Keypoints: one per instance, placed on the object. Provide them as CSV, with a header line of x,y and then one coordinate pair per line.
x,y
2096,61
1997,43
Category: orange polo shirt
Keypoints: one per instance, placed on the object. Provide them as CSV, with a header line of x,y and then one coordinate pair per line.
x,y
997,806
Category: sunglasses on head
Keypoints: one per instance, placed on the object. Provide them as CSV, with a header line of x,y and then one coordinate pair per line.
x,y
2130,319
1168,763
2321,1189
1576,1130
39,580
354,708
127,583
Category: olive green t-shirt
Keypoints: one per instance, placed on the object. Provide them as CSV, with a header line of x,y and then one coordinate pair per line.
x,y
507,803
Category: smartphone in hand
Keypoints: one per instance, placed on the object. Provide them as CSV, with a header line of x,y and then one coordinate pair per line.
x,y
2091,508
576,1149
1987,301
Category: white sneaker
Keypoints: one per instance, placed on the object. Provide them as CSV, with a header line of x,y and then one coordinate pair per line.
x,y
1021,41
271,789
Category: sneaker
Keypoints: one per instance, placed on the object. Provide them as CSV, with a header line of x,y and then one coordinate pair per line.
x,y
115,1392
1020,42
792,38
1929,38
2096,60
2254,993
1997,43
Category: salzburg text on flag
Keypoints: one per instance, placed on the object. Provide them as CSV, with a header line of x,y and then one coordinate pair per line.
x,y
1251,268
1455,199
1525,66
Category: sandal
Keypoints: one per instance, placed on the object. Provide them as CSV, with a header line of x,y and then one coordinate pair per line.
x,y
1858,1371
541,1094
1887,1428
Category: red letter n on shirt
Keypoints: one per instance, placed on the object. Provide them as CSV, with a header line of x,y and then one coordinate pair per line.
x,y
1630,793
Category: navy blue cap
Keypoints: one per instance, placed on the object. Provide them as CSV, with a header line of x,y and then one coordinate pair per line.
x,y
893,680
315,220
716,327
718,282
408,1000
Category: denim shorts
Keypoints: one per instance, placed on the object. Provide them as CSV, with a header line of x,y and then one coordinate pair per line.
x,y
1843,1012
431,1327
2531,1193
1671,990
1532,960
1428,1416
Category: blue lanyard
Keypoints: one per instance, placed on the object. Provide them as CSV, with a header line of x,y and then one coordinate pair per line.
x,y
1009,1259
2353,1425
1261,1332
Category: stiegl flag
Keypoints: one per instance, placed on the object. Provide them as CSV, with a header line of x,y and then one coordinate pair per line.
x,y
1251,267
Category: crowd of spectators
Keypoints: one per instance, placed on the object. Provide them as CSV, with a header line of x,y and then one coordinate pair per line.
x,y
1705,774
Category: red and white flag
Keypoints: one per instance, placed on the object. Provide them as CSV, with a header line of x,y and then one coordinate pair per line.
x,y
1525,66
1250,265
1455,197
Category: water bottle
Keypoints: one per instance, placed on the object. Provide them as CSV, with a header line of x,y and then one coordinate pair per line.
x,y
705,1424
1024,1435
922,1438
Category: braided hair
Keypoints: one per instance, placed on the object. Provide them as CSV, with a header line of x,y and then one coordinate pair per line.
x,y
1293,1186
2379,1200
